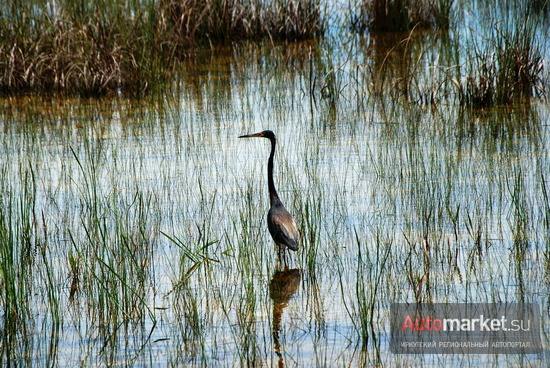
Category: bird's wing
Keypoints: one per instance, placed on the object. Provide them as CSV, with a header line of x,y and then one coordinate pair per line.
x,y
283,228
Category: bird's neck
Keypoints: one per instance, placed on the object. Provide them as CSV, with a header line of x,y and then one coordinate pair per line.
x,y
273,196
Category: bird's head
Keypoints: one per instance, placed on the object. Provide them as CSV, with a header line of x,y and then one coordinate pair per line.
x,y
265,134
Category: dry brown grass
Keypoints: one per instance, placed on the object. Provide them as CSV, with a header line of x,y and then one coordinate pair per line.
x,y
189,21
87,59
402,15
113,48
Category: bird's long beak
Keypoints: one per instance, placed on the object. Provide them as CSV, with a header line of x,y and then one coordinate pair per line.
x,y
260,134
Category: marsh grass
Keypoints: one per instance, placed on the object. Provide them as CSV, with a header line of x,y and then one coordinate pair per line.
x,y
480,65
146,223
190,21
109,254
136,48
18,250
507,69
82,50
401,15
371,271
113,47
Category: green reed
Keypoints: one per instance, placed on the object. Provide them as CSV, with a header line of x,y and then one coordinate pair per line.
x,y
370,275
18,246
507,66
115,254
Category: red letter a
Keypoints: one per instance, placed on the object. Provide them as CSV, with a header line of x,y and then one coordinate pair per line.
x,y
407,323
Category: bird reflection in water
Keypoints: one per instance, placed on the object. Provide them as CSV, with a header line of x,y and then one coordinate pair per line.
x,y
282,287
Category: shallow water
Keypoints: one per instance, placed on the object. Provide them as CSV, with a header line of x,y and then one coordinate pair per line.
x,y
140,235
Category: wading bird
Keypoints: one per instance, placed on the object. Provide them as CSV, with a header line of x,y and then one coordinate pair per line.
x,y
280,223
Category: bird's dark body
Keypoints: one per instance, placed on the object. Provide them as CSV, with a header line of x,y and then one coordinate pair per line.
x,y
282,227
280,222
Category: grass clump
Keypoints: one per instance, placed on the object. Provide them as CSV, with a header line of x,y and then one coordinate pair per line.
x,y
507,70
76,49
186,22
402,15
114,46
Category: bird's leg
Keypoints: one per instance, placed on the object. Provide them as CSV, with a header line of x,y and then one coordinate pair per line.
x,y
281,256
